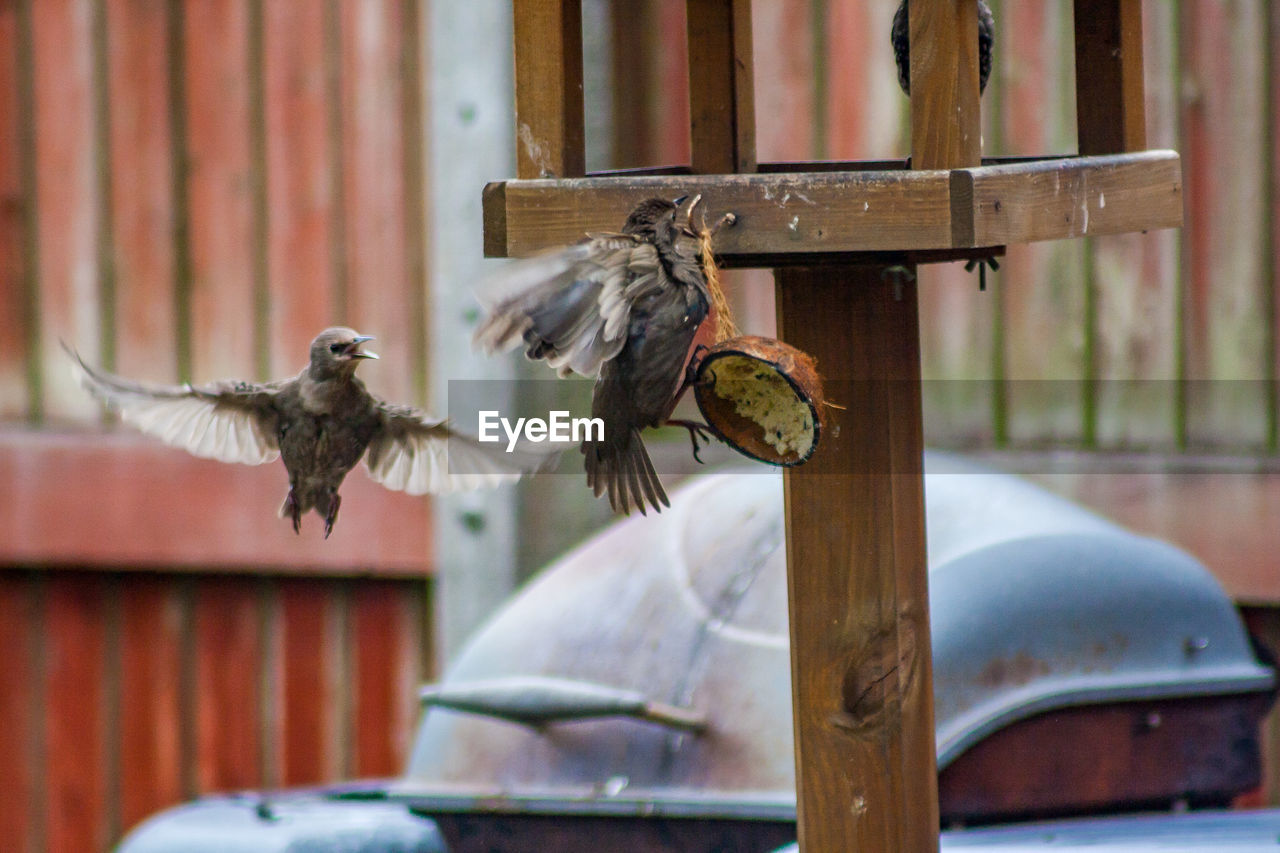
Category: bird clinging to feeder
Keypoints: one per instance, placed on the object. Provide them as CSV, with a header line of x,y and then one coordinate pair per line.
x,y
624,308
902,45
322,421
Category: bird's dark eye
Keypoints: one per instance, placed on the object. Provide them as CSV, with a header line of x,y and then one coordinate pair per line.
x,y
335,347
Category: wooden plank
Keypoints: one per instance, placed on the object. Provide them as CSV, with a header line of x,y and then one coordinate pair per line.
x,y
378,293
300,161
155,518
309,748
1136,282
550,140
945,112
865,109
15,212
857,585
75,768
67,205
785,84
1225,323
141,187
722,120
778,214
1110,105
221,219
386,632
1057,199
19,708
151,759
229,651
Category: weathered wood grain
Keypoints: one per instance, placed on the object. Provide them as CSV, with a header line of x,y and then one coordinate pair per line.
x,y
15,211
550,140
152,622
67,199
222,215
722,119
945,114
229,658
1224,321
857,586
1110,105
1075,197
377,293
75,736
142,263
301,166
127,502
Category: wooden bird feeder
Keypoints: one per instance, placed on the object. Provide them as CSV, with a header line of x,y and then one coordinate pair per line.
x,y
857,582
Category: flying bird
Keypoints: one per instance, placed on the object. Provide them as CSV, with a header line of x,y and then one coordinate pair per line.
x,y
322,422
902,46
624,308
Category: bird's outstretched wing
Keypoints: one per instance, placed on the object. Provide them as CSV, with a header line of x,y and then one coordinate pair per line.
x,y
570,307
416,453
227,421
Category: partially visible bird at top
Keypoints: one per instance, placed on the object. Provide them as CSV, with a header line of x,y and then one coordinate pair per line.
x,y
624,308
902,45
322,422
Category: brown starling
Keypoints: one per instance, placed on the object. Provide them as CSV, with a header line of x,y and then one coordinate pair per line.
x,y
621,307
902,45
322,422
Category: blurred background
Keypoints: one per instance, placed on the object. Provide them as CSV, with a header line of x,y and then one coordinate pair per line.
x,y
191,189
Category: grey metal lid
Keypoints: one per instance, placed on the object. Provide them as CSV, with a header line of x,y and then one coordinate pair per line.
x,y
1036,604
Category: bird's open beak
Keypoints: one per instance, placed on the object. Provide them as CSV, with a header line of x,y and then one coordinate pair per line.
x,y
354,350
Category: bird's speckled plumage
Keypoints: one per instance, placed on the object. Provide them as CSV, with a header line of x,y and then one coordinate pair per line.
x,y
321,422
623,308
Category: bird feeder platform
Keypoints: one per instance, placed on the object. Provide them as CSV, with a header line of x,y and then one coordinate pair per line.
x,y
862,683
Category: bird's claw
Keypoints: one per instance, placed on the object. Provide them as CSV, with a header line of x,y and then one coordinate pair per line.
x,y
696,431
294,511
332,515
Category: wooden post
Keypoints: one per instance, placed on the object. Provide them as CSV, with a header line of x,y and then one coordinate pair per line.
x,y
857,583
946,131
550,141
721,95
1110,111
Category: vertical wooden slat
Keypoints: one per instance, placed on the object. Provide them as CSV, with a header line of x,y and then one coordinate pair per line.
x,y
668,104
550,139
229,651
1226,340
1136,280
299,180
1042,284
76,754
784,85
857,583
945,115
219,178
309,746
378,291
66,195
722,122
19,686
864,106
151,757
385,629
14,214
1110,106
141,189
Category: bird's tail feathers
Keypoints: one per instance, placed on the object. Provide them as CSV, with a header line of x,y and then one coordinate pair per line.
x,y
625,471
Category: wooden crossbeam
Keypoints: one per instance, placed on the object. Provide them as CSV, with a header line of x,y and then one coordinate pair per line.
x,y
815,217
1110,110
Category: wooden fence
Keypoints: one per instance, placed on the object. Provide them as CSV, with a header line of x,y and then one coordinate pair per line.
x,y
190,189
